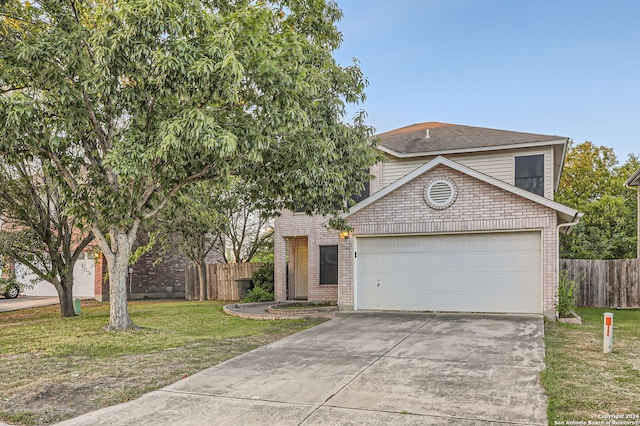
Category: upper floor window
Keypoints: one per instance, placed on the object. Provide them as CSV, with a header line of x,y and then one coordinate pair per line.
x,y
530,173
363,195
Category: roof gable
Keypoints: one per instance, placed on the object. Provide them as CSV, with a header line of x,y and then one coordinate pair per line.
x,y
634,179
565,214
435,138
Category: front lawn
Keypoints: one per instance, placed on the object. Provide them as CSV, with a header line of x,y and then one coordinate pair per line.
x,y
585,384
53,368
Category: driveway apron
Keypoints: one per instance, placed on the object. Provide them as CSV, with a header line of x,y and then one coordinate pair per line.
x,y
364,369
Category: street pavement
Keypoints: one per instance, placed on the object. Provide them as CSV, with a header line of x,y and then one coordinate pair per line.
x,y
25,302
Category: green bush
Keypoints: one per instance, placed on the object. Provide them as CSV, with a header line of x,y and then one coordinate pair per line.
x,y
566,295
263,278
258,294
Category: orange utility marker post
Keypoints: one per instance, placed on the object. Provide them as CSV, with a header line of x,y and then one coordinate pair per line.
x,y
608,333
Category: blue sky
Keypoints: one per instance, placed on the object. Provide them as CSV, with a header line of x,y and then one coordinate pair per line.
x,y
558,67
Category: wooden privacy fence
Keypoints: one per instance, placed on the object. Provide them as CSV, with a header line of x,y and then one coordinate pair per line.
x,y
220,276
605,283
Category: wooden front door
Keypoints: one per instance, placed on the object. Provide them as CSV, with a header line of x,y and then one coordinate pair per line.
x,y
301,275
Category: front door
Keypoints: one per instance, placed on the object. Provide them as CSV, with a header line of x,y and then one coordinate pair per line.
x,y
301,276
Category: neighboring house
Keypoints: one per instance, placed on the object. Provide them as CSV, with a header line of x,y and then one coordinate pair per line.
x,y
458,218
83,278
633,182
149,278
156,274
83,274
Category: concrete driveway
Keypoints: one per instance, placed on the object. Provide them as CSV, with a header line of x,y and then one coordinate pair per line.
x,y
364,369
26,302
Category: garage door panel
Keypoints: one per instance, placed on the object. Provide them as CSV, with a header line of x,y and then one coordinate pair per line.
x,y
491,272
478,262
453,243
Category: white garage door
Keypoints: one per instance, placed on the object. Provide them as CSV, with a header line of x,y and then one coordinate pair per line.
x,y
83,279
492,272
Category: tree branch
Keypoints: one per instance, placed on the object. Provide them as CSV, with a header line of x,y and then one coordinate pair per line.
x,y
102,137
80,248
104,244
68,178
175,189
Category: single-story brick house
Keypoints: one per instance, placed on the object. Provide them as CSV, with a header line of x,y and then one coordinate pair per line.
x,y
458,218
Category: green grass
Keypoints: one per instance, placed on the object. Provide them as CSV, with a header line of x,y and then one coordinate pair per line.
x,y
582,382
54,368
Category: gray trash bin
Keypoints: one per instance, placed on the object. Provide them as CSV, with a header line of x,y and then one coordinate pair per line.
x,y
244,284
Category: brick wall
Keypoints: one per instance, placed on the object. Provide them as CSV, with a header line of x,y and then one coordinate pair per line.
x,y
164,280
292,230
478,207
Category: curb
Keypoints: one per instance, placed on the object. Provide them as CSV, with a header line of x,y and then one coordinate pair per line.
x,y
229,310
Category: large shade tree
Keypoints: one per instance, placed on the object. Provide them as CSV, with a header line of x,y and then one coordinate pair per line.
x,y
142,97
593,183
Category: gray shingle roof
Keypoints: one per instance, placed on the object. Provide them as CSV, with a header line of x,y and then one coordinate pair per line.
x,y
453,137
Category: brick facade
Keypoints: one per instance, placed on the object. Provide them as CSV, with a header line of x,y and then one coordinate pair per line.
x,y
479,207
291,231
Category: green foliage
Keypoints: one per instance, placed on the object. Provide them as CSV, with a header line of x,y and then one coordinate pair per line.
x,y
258,294
566,295
263,278
593,183
131,101
7,283
265,255
196,215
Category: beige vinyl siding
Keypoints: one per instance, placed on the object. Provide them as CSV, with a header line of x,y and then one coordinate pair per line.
x,y
497,164
395,168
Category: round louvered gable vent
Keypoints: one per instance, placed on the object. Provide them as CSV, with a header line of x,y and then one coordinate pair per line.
x,y
440,194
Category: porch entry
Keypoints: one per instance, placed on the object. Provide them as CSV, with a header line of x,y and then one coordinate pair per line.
x,y
301,266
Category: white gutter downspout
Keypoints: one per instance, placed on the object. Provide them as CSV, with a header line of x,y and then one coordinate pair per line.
x,y
575,221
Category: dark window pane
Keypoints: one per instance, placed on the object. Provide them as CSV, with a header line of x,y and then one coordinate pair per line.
x,y
328,264
530,173
363,195
356,198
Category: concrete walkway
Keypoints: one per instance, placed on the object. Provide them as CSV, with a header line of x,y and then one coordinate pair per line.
x,y
274,311
364,368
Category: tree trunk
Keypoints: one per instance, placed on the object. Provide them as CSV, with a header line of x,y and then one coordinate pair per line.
x,y
202,280
119,319
65,294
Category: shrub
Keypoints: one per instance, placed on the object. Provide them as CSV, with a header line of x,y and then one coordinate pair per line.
x,y
258,294
263,278
566,295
